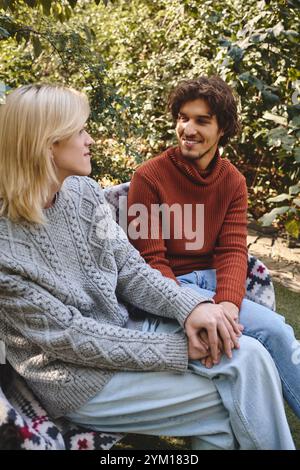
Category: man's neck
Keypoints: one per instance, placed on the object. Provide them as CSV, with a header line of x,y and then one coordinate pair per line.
x,y
205,162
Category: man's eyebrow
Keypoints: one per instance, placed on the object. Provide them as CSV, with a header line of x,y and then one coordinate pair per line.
x,y
199,116
204,116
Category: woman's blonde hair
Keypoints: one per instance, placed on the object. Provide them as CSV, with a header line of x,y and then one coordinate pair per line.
x,y
31,120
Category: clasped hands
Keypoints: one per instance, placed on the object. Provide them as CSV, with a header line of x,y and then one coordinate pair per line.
x,y
213,330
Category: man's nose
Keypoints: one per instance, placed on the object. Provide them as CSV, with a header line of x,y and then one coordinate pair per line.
x,y
189,128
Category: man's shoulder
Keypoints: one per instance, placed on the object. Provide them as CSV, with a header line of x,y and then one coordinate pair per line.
x,y
232,171
155,164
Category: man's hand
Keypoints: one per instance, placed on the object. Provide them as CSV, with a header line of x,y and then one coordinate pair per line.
x,y
211,318
232,311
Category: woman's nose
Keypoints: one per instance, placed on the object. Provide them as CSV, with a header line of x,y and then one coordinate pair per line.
x,y
90,140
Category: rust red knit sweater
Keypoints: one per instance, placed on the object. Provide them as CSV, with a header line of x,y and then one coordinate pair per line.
x,y
170,178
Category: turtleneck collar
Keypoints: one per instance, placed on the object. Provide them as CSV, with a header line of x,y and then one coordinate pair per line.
x,y
216,168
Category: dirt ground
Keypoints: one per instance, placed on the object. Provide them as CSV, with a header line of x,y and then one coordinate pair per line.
x,y
282,262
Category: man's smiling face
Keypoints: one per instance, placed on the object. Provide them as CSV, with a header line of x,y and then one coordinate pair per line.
x,y
198,132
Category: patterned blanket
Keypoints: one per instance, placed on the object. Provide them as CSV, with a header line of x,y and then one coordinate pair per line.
x,y
24,424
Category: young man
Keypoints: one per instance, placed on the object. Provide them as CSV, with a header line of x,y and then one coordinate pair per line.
x,y
207,197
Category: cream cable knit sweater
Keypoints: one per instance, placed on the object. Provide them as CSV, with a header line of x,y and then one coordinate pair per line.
x,y
61,291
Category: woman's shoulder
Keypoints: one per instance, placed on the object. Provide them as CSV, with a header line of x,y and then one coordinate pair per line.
x,y
83,186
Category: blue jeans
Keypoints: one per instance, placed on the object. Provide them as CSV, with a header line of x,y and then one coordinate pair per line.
x,y
235,405
267,327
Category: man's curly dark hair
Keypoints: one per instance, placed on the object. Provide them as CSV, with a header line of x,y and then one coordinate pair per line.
x,y
218,96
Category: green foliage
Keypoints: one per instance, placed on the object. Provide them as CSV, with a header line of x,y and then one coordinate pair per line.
x,y
61,10
127,55
45,50
290,212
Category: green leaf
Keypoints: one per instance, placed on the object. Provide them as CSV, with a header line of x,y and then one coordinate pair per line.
x,y
297,202
296,121
19,36
236,53
247,77
296,153
293,36
88,33
224,42
276,136
275,118
270,98
4,33
256,38
30,3
72,3
280,198
277,30
37,46
293,227
294,189
269,217
46,4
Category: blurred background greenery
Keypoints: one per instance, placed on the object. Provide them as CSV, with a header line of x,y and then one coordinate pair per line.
x,y
128,54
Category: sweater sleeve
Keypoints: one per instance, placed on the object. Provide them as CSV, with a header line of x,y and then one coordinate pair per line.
x,y
231,251
152,248
146,288
61,332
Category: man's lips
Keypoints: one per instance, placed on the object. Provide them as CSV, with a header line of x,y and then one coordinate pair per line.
x,y
190,142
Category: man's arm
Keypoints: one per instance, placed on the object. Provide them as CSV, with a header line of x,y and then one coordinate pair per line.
x,y
231,251
153,250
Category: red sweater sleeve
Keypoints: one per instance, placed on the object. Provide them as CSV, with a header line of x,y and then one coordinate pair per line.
x,y
152,249
231,251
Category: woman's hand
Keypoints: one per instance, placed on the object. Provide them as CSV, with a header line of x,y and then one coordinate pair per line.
x,y
213,320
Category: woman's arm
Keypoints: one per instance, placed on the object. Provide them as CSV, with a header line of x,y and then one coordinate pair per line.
x,y
146,288
62,332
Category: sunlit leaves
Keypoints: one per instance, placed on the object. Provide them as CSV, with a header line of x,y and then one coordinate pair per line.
x,y
128,54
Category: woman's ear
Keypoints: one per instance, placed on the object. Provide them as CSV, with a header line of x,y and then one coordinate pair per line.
x,y
52,149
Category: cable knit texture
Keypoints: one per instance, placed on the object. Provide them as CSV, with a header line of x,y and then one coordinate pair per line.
x,y
172,179
64,328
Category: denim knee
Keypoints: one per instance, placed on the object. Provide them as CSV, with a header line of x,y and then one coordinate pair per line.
x,y
261,322
253,349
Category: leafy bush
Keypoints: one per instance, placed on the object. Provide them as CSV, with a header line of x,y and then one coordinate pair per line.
x,y
127,55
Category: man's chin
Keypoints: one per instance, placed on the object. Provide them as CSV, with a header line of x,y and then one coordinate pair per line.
x,y
189,154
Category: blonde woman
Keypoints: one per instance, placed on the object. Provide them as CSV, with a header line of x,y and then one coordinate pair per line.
x,y
66,273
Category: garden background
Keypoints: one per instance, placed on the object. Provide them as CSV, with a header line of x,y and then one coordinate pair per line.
x,y
128,54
